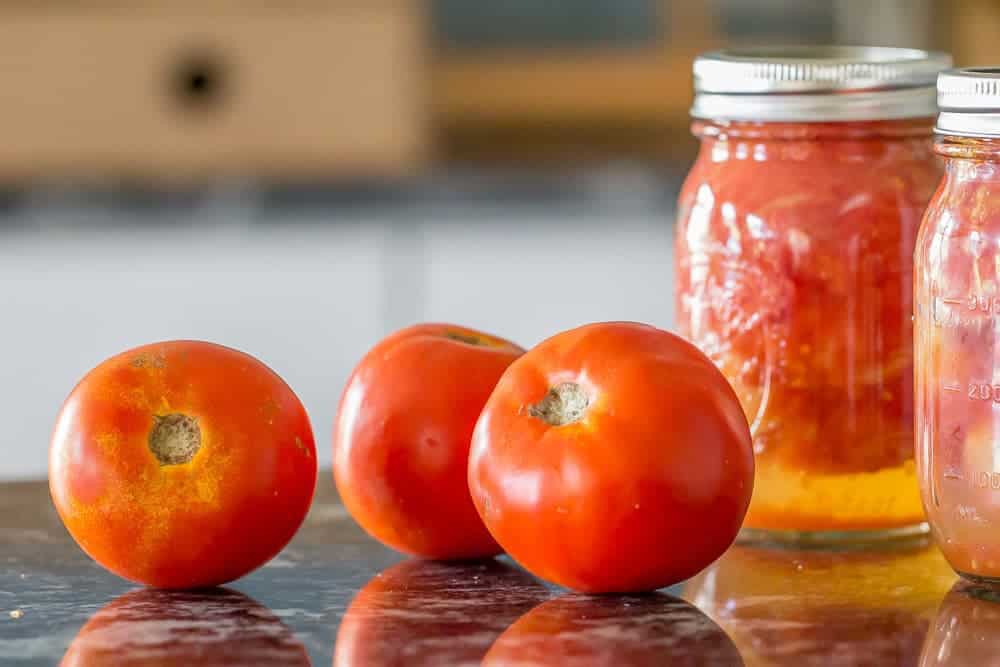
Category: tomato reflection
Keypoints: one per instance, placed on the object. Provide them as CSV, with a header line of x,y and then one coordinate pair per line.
x,y
428,613
812,608
964,631
632,631
155,628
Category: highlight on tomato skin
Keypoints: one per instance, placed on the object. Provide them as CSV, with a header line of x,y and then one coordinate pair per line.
x,y
402,433
208,628
612,458
182,464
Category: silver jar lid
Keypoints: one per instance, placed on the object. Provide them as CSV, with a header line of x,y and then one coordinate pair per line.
x,y
969,100
828,83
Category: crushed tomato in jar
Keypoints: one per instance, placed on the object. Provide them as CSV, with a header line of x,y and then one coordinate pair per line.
x,y
796,228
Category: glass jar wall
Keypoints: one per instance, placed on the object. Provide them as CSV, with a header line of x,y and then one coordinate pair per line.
x,y
957,325
796,228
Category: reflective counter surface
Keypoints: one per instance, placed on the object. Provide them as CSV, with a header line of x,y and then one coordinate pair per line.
x,y
336,597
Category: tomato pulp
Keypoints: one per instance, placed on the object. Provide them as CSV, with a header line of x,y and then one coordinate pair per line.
x,y
182,464
794,274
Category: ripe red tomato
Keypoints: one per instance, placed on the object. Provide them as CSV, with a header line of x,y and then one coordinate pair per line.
x,y
423,613
210,628
638,631
401,438
182,464
612,458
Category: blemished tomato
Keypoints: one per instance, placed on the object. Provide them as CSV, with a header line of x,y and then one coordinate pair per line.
x,y
211,628
638,631
423,613
402,433
182,464
612,458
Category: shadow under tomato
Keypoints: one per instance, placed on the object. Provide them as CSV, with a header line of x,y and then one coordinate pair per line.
x,y
964,632
212,628
626,631
803,608
425,613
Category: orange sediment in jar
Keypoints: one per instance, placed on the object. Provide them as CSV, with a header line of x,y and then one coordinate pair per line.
x,y
792,499
794,274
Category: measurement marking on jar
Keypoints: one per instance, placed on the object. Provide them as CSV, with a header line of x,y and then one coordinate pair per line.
x,y
951,474
985,480
952,387
982,391
959,312
975,303
984,304
953,318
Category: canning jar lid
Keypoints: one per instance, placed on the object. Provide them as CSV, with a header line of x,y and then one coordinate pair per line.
x,y
969,100
809,83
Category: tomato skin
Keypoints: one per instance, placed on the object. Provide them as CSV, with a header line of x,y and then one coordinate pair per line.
x,y
646,489
402,433
200,523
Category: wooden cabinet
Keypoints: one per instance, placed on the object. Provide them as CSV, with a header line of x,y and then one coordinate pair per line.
x,y
187,90
605,99
318,90
973,31
618,83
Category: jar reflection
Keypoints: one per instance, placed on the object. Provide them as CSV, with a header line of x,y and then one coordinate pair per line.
x,y
813,608
630,631
424,613
188,629
964,631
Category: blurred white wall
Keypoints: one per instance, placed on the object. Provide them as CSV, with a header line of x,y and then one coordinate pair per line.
x,y
307,293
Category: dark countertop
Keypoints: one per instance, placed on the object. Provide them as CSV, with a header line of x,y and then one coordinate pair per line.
x,y
334,591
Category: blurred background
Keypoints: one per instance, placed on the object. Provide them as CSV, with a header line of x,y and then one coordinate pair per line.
x,y
297,179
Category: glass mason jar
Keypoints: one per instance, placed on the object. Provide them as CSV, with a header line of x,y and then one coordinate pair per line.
x,y
793,264
957,326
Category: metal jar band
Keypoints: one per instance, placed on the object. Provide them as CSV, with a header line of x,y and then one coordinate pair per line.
x,y
809,84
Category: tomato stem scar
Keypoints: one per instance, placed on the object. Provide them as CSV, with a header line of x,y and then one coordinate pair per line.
x,y
564,404
465,338
174,438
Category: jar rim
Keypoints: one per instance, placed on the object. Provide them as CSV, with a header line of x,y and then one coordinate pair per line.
x,y
969,99
816,83
892,128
